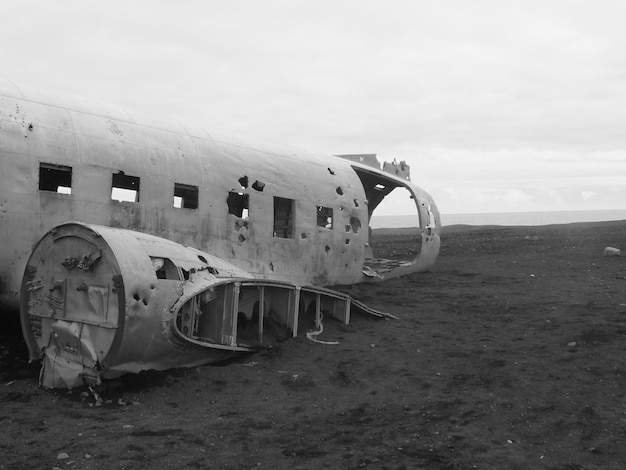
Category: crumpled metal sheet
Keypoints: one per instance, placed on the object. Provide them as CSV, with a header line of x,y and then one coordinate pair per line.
x,y
70,359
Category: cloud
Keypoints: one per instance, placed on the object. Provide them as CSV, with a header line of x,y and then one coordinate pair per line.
x,y
529,195
587,195
507,98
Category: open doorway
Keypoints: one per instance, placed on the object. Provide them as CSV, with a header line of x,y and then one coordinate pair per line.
x,y
394,213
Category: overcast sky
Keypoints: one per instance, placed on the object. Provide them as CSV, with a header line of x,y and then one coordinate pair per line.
x,y
497,105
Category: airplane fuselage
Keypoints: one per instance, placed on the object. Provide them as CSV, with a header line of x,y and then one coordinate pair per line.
x,y
277,213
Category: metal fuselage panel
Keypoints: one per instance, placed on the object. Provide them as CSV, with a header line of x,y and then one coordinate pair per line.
x,y
97,141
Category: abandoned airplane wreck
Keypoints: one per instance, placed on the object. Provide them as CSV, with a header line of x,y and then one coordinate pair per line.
x,y
133,243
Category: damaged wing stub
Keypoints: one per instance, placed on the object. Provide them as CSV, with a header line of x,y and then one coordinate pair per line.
x,y
98,302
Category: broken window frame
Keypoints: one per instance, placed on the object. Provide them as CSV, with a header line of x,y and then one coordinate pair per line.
x,y
325,217
125,188
238,204
55,178
185,196
284,217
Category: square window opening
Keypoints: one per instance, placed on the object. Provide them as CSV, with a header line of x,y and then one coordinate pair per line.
x,y
55,178
125,188
185,196
165,269
325,217
284,220
238,204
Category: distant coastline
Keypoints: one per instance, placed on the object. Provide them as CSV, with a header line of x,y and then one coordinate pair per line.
x,y
505,218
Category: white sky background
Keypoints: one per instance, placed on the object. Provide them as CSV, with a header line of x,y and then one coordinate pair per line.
x,y
496,105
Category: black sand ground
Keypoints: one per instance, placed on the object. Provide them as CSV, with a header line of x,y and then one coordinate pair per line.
x,y
509,354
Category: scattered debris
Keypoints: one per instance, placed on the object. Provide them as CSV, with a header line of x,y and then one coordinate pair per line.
x,y
370,272
402,170
313,334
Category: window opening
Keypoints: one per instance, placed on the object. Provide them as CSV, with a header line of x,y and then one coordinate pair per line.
x,y
56,178
283,217
164,268
185,196
325,217
238,204
125,188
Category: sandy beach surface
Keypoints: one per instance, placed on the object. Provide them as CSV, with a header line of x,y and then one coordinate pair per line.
x,y
509,354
